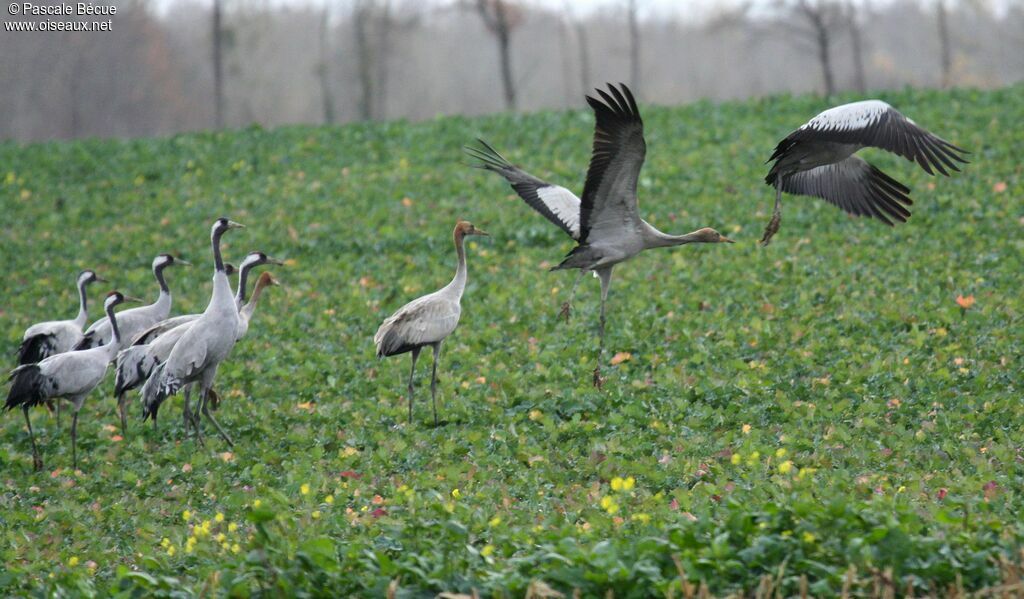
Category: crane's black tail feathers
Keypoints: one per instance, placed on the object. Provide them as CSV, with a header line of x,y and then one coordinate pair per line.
x,y
158,387
582,256
26,387
134,365
35,349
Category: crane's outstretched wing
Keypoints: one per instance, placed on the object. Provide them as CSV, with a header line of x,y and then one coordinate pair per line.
x,y
855,186
554,202
877,124
609,195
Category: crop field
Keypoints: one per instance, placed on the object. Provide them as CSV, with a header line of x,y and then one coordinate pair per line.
x,y
840,412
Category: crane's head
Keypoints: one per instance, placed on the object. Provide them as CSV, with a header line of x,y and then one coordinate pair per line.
x,y
463,228
230,269
87,276
709,235
116,297
267,279
259,258
164,260
223,224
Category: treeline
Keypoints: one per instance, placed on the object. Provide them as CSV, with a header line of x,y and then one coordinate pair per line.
x,y
157,71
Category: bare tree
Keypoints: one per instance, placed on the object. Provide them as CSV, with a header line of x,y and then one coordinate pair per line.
x,y
579,30
218,64
818,16
945,54
857,45
323,67
500,19
634,46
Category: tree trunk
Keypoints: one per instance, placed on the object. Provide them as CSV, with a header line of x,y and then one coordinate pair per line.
x,y
324,70
563,50
944,50
218,65
857,46
581,41
634,48
824,56
496,18
381,59
365,60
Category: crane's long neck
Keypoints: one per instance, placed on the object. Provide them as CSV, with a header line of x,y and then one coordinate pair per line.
x,y
83,308
250,306
158,272
115,337
221,285
458,283
218,262
243,281
654,238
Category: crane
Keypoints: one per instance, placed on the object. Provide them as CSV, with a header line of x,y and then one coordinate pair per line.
x,y
427,320
46,339
71,376
137,319
818,159
201,349
605,223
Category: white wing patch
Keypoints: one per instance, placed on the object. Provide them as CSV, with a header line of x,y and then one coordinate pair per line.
x,y
856,115
563,204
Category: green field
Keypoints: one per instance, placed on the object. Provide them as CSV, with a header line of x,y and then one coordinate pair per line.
x,y
819,412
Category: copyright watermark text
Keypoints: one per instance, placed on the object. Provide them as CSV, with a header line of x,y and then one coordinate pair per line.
x,y
75,10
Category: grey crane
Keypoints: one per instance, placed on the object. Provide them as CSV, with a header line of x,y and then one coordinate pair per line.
x,y
606,223
71,376
427,320
137,319
818,159
46,339
201,349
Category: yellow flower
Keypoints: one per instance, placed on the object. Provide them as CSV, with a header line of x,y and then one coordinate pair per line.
x,y
304,489
642,518
609,505
780,452
736,458
487,550
191,542
329,500
171,551
316,514
746,429
617,484
785,467
235,548
189,548
257,503
808,537
219,517
73,561
186,515
165,543
456,493
536,415
225,546
232,527
629,483
350,451
220,537
495,521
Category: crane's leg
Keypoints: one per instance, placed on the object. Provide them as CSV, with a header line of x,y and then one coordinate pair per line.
x,y
74,433
122,408
37,460
433,381
412,371
58,415
605,275
204,389
567,305
773,224
192,418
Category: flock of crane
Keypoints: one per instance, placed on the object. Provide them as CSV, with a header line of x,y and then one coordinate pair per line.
x,y
164,355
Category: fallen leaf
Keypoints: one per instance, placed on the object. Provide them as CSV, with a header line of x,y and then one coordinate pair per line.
x,y
999,187
117,438
186,467
622,356
965,302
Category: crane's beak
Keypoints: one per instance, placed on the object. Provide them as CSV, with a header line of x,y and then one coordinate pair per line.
x,y
275,261
233,225
182,262
128,299
481,232
100,279
725,239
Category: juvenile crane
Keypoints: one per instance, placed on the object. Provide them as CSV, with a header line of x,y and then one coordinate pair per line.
x,y
427,320
606,223
46,339
818,160
202,348
71,376
137,319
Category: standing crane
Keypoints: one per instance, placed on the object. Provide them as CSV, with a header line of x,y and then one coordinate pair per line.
x,y
427,320
606,223
71,376
205,344
818,160
46,339
137,319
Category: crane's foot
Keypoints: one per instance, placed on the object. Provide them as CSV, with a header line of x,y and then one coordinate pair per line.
x,y
563,314
214,400
598,379
772,228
